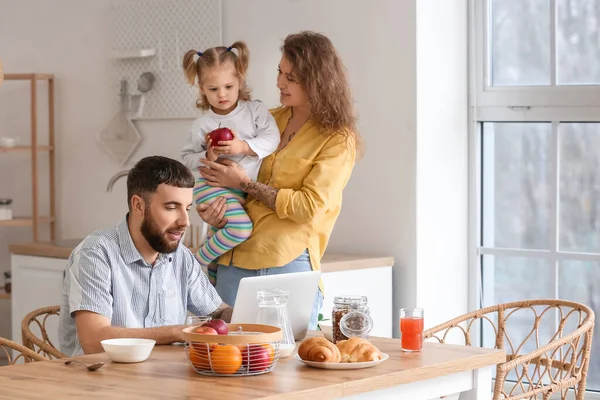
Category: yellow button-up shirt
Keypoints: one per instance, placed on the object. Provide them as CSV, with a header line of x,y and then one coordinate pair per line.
x,y
310,172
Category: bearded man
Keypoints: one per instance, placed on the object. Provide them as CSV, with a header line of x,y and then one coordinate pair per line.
x,y
137,279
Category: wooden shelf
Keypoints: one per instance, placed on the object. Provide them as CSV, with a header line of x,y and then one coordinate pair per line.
x,y
133,53
24,221
34,147
24,148
23,77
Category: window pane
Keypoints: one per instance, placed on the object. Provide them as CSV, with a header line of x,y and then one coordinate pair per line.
x,y
578,41
579,228
507,279
579,281
520,42
516,278
516,185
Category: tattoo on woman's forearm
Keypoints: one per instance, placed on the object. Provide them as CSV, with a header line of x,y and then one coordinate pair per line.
x,y
264,193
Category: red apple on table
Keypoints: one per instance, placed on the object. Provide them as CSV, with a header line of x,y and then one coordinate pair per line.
x,y
259,358
220,135
218,325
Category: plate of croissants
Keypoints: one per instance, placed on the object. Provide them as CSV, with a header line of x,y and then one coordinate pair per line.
x,y
354,353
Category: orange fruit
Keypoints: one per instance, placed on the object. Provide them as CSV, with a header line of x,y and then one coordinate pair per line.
x,y
226,359
199,358
202,347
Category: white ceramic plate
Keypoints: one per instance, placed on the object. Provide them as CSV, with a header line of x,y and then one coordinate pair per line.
x,y
331,365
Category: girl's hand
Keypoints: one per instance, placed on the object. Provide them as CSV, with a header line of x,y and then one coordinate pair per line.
x,y
214,215
211,152
225,173
234,146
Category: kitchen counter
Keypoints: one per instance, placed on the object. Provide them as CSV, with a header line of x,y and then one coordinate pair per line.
x,y
330,263
38,271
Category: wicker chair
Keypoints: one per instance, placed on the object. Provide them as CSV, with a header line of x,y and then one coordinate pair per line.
x,y
551,365
39,318
22,352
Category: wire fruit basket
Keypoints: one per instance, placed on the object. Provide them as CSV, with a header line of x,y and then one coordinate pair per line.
x,y
248,349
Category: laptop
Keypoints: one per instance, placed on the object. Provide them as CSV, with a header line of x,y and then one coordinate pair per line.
x,y
301,286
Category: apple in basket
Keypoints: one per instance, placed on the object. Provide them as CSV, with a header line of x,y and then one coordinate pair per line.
x,y
206,330
256,357
204,348
218,325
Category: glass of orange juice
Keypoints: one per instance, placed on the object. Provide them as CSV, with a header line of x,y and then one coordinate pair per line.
x,y
411,329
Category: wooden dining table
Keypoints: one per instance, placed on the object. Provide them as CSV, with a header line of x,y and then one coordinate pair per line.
x,y
439,369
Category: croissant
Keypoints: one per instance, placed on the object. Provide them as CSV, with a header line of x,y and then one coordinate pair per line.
x,y
319,349
358,350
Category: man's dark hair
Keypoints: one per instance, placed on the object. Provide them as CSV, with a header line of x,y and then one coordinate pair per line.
x,y
145,176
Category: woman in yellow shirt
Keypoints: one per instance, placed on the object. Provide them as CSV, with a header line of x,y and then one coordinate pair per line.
x,y
298,194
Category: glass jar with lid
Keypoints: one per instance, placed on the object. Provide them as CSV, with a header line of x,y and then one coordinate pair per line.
x,y
350,317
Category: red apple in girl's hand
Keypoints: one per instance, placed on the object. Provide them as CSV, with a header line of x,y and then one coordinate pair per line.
x,y
220,135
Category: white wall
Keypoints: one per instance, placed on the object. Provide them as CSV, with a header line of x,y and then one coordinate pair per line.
x,y
377,43
408,196
442,157
401,201
69,39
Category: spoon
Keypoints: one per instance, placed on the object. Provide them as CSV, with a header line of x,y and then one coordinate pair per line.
x,y
91,367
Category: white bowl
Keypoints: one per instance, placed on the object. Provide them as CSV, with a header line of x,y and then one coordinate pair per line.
x,y
126,350
327,329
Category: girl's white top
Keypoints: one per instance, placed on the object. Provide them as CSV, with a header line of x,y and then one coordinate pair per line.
x,y
250,120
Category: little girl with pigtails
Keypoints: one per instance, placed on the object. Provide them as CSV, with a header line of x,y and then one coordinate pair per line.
x,y
232,126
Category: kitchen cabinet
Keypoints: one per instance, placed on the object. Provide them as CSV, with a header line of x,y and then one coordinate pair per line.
x,y
38,273
37,282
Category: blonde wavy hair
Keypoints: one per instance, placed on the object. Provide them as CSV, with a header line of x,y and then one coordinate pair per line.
x,y
321,72
215,57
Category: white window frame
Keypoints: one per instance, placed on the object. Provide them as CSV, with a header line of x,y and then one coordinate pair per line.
x,y
521,97
515,104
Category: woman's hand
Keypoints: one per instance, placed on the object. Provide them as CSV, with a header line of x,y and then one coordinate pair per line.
x,y
225,173
214,215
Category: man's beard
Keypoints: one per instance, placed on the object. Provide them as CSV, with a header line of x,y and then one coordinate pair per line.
x,y
155,238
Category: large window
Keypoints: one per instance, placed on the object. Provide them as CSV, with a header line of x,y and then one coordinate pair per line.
x,y
535,98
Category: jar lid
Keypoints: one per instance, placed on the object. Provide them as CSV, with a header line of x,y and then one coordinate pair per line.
x,y
5,202
356,324
347,300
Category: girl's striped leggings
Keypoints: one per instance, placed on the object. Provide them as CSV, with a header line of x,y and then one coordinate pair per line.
x,y
236,231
